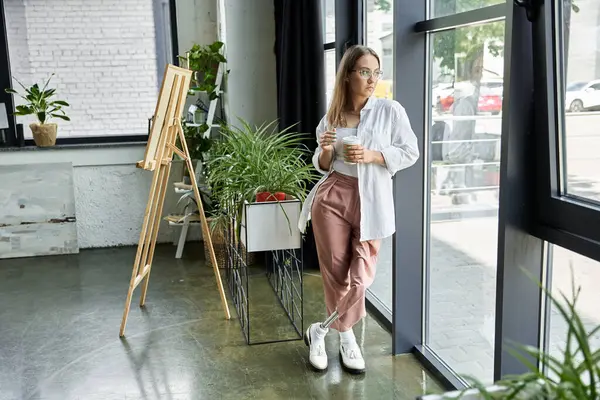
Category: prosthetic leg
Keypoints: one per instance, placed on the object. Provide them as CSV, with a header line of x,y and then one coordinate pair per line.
x,y
330,320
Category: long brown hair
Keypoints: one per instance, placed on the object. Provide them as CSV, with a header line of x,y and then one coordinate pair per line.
x,y
335,115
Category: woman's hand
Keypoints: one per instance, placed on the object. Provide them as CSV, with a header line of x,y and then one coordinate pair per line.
x,y
327,140
358,154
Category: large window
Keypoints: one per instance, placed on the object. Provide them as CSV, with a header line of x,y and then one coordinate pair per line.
x,y
567,95
581,78
379,35
505,115
106,60
466,67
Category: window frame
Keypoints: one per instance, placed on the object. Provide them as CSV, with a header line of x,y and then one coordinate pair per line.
x,y
565,220
6,80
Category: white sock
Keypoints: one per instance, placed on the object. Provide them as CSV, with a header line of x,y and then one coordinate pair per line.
x,y
347,337
321,332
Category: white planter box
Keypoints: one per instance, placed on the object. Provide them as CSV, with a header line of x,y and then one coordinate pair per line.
x,y
266,228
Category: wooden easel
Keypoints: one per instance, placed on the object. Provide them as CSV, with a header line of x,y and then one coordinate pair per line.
x,y
162,143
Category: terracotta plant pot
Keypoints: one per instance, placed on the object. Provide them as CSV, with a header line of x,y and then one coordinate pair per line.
x,y
268,196
44,135
280,196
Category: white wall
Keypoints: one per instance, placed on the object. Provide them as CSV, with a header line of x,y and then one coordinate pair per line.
x,y
252,81
102,52
110,192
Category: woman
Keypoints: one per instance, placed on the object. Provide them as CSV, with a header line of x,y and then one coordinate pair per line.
x,y
352,206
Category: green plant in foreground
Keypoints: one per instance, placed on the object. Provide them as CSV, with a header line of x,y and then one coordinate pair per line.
x,y
574,376
39,103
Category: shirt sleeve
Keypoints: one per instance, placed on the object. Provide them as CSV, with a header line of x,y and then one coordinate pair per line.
x,y
404,150
320,130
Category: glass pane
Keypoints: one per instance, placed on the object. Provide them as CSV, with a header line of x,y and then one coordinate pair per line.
x,y
568,268
103,56
467,81
330,72
380,37
328,12
581,59
442,8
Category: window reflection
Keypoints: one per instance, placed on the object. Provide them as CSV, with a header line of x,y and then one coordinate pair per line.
x,y
465,132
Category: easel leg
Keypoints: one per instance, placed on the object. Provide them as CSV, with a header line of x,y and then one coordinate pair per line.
x,y
205,227
166,170
207,237
148,215
127,306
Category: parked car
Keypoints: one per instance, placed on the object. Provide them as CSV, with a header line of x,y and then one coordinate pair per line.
x,y
582,96
490,96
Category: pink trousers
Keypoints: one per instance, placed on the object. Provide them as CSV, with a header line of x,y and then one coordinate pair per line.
x,y
347,264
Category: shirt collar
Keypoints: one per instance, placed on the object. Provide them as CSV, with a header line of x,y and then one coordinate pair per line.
x,y
370,103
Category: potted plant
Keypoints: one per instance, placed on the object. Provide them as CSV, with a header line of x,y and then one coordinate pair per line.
x,y
39,102
251,164
574,375
204,61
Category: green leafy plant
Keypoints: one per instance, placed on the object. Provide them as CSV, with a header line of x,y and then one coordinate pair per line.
x,y
575,375
39,102
249,160
198,144
204,60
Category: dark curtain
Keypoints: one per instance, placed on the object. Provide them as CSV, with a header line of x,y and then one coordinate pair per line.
x,y
300,78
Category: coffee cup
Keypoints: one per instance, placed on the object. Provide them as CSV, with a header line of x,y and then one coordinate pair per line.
x,y
349,141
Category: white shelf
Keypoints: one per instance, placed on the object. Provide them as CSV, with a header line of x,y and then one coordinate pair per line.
x,y
179,220
197,125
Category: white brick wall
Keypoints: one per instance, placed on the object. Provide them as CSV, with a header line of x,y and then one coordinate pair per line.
x,y
103,53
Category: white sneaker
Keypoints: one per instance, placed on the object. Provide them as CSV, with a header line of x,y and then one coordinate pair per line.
x,y
317,355
352,359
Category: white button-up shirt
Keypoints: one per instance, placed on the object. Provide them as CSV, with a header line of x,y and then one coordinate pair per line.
x,y
384,127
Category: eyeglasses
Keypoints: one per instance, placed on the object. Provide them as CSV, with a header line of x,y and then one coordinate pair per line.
x,y
366,73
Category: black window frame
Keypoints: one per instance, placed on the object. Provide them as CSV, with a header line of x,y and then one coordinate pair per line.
x,y
565,220
6,81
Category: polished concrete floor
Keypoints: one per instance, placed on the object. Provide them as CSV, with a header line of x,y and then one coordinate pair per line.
x,y
59,326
